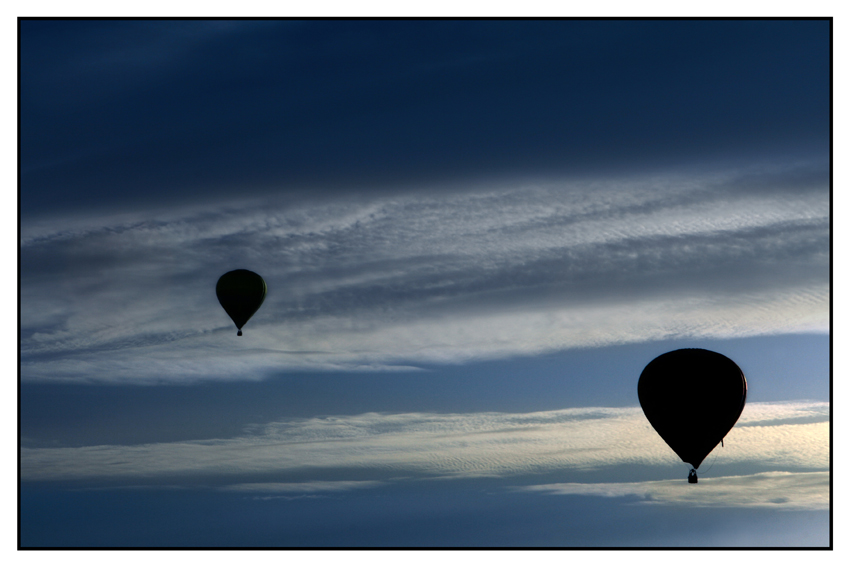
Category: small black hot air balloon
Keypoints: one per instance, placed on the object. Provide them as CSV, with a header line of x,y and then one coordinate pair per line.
x,y
240,292
692,397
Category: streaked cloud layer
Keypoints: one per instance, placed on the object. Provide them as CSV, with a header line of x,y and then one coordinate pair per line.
x,y
434,275
343,452
772,490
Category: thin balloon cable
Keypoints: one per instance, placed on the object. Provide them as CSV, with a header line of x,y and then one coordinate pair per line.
x,y
711,465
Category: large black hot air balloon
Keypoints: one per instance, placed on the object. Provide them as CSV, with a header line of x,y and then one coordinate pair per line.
x,y
240,292
692,397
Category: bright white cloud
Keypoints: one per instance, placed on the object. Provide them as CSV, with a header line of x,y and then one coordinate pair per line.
x,y
382,447
772,490
443,276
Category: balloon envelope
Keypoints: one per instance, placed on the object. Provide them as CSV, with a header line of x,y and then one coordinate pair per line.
x,y
240,292
692,397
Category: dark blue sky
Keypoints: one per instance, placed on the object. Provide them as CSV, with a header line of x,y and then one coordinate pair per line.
x,y
475,235
174,111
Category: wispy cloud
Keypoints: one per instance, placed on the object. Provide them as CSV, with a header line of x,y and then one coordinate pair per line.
x,y
381,447
297,488
773,490
446,275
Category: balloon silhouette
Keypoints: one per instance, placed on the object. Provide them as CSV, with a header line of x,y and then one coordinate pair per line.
x,y
692,397
240,292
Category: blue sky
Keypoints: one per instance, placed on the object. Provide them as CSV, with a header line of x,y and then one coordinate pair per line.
x,y
475,235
